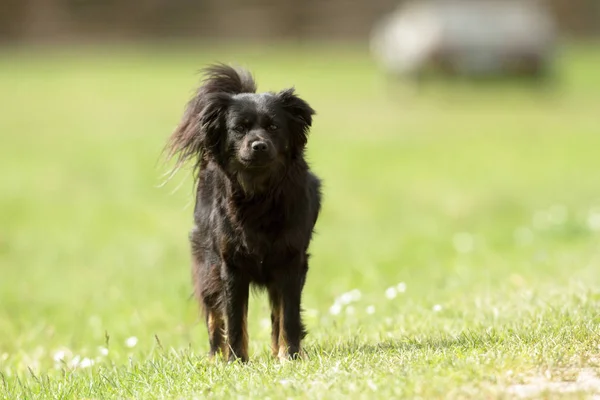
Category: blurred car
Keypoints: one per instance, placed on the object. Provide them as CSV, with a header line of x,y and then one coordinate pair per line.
x,y
466,38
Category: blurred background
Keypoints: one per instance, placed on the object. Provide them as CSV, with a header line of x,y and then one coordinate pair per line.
x,y
458,189
264,20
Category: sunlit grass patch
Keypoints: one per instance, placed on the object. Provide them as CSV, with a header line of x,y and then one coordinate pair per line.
x,y
457,255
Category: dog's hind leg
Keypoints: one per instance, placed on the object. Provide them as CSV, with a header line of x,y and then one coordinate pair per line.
x,y
207,287
276,316
216,332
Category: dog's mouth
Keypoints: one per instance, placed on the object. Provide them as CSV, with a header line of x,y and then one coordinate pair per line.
x,y
256,163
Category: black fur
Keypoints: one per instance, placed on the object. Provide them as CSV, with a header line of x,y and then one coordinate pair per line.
x,y
256,205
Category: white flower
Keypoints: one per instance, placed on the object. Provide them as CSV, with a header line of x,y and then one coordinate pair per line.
x,y
349,297
371,310
437,308
593,220
355,295
346,298
85,363
103,351
401,287
335,309
74,362
463,242
131,342
390,293
59,356
496,312
372,385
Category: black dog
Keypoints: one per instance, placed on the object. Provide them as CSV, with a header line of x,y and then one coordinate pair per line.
x,y
256,206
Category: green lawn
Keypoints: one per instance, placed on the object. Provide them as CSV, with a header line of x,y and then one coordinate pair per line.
x,y
483,200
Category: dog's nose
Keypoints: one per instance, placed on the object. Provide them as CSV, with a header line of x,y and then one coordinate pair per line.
x,y
259,146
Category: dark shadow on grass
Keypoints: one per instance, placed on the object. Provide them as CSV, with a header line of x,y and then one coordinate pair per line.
x,y
464,341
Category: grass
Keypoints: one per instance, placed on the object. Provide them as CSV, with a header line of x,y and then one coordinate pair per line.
x,y
483,200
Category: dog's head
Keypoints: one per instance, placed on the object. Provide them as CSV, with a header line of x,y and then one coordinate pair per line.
x,y
251,136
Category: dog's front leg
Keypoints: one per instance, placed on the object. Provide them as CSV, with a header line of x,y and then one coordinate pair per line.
x,y
292,329
236,313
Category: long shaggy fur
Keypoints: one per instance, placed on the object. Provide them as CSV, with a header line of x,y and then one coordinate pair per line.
x,y
186,141
257,203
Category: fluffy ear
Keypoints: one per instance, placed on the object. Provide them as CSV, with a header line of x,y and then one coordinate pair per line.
x,y
300,116
201,128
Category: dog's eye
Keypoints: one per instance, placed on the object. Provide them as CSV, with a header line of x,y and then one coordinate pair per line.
x,y
272,127
239,128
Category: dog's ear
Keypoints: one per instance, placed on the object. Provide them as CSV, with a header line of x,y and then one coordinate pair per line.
x,y
201,128
212,124
300,116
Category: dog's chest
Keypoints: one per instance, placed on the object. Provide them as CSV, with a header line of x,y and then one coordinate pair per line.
x,y
260,257
262,238
262,245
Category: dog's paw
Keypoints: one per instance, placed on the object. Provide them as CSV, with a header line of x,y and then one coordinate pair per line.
x,y
284,355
